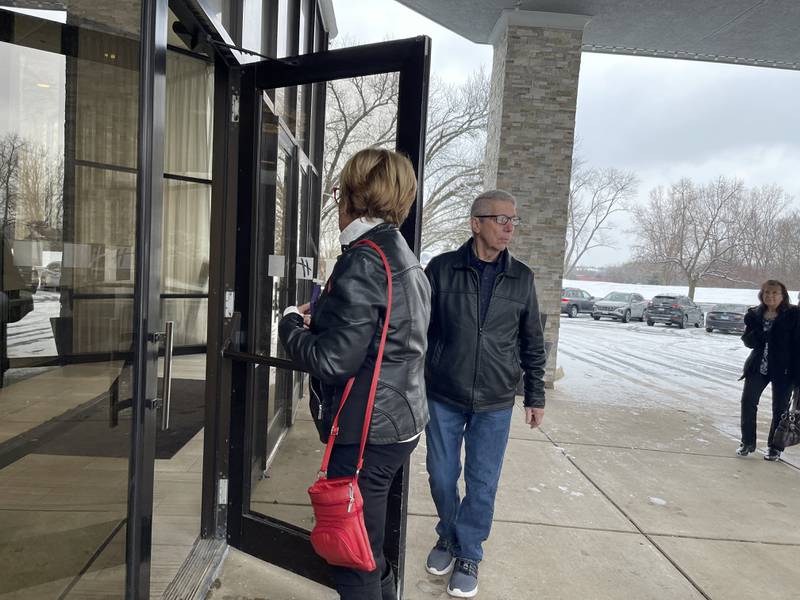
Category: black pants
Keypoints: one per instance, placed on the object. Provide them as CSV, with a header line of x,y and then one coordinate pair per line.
x,y
381,464
754,385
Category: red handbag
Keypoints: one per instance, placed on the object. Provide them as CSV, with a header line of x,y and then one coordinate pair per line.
x,y
339,535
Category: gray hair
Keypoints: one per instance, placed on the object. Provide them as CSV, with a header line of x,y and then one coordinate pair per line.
x,y
479,204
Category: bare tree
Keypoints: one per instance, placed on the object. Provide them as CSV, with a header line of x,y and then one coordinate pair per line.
x,y
761,215
11,148
454,158
40,203
696,229
594,196
362,112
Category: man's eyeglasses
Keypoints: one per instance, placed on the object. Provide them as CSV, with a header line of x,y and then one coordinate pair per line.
x,y
502,219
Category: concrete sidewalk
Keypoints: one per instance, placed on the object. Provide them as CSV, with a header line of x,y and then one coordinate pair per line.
x,y
606,502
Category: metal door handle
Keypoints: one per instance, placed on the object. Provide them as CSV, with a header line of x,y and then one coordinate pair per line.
x,y
167,389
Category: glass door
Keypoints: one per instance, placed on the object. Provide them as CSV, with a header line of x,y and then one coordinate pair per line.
x,y
287,238
81,158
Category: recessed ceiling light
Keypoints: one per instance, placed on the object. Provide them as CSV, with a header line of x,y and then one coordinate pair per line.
x,y
43,85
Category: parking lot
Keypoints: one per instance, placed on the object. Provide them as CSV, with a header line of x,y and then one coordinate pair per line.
x,y
632,364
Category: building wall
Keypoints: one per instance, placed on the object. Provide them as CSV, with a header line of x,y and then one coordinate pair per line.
x,y
529,150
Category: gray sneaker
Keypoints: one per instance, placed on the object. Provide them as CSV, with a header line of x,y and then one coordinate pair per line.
x,y
464,580
440,561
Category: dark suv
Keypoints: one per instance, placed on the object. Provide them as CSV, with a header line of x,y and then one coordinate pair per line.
x,y
673,309
574,301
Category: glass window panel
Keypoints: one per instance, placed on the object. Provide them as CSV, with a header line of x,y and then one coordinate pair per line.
x,y
319,35
189,116
189,315
68,138
185,237
105,114
284,37
278,395
306,26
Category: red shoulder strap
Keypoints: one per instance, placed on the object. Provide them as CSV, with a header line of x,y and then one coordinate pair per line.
x,y
375,373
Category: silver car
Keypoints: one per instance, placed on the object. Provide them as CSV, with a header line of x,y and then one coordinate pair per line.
x,y
621,306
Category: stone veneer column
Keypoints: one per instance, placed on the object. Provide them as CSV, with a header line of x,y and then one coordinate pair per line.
x,y
534,90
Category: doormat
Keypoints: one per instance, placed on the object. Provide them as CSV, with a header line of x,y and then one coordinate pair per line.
x,y
85,431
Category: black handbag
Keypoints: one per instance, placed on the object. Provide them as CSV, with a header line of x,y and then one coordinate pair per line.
x,y
787,433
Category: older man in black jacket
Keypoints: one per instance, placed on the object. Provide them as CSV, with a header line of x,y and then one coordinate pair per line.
x,y
485,332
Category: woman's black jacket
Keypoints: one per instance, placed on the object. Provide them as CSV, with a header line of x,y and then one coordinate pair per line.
x,y
344,337
783,351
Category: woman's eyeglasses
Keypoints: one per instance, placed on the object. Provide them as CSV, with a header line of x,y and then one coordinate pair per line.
x,y
502,219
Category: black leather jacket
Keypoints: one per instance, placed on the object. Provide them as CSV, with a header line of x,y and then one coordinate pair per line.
x,y
782,356
345,334
477,368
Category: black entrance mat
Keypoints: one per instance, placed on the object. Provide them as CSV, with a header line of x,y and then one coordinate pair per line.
x,y
85,431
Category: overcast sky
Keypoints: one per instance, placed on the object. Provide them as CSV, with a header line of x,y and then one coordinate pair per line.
x,y
662,119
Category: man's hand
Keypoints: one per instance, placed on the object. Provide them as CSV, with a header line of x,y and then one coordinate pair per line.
x,y
534,417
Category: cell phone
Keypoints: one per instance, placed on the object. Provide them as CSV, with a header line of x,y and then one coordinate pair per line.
x,y
315,292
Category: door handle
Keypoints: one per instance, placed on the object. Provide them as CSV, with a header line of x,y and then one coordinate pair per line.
x,y
166,393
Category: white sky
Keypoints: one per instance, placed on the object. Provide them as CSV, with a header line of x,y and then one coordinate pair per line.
x,y
660,118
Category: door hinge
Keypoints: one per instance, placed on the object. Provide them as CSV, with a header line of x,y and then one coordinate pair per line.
x,y
234,108
222,494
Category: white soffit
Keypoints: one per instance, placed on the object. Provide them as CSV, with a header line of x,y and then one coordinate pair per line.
x,y
752,32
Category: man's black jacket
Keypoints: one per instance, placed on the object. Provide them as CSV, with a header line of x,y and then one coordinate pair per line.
x,y
345,334
783,351
474,367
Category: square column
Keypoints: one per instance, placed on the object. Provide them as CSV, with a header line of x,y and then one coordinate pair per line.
x,y
534,90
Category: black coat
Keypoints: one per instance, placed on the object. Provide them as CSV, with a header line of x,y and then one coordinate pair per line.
x,y
478,367
345,334
783,344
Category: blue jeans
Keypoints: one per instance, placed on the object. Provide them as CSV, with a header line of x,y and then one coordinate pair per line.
x,y
465,524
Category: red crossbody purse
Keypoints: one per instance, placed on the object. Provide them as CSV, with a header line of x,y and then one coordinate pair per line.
x,y
339,535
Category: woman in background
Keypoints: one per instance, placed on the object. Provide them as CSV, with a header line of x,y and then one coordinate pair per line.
x,y
770,330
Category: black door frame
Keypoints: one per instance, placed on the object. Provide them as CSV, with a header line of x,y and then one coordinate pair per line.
x,y
147,297
272,540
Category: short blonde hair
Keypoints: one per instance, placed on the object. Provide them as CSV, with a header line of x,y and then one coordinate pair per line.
x,y
378,183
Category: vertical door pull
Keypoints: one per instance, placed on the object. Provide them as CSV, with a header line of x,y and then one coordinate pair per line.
x,y
167,389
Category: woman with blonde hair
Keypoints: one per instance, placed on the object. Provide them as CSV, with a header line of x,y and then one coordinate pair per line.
x,y
770,330
340,340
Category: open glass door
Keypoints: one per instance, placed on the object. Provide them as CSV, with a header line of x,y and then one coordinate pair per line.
x,y
286,237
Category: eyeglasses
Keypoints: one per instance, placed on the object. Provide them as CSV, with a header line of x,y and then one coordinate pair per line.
x,y
502,219
336,194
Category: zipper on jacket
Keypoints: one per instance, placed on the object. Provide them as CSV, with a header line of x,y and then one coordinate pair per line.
x,y
480,333
497,279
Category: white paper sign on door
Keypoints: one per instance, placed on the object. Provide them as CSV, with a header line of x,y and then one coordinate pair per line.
x,y
276,267
305,267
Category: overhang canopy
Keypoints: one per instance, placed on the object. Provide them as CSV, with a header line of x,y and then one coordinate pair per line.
x,y
754,32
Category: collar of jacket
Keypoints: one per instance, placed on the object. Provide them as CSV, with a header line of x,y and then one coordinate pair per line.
x,y
381,227
510,269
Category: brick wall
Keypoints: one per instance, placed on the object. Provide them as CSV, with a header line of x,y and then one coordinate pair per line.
x,y
529,150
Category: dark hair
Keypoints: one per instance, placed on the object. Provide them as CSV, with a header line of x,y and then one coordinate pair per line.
x,y
785,303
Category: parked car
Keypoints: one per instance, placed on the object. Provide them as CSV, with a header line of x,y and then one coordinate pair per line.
x,y
622,306
50,275
574,301
726,317
674,309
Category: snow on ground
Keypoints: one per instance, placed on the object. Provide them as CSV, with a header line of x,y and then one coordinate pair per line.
x,y
702,295
33,336
633,365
